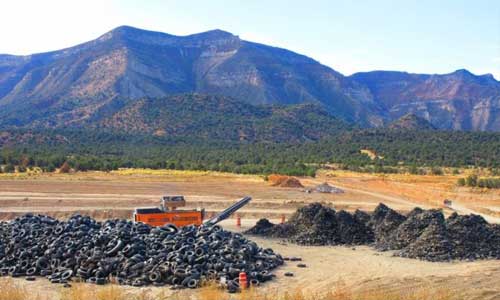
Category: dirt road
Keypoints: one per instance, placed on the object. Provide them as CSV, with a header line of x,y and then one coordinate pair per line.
x,y
461,209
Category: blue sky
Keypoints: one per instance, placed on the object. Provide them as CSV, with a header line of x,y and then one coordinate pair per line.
x,y
350,36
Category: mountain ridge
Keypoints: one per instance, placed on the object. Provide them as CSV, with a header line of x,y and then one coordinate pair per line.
x,y
222,118
71,86
459,100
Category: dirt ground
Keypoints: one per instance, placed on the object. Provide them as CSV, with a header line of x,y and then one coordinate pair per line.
x,y
115,194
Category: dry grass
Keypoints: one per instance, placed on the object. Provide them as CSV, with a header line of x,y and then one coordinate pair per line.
x,y
345,293
9,290
80,291
177,173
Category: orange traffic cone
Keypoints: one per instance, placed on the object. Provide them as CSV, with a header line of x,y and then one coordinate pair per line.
x,y
238,221
243,280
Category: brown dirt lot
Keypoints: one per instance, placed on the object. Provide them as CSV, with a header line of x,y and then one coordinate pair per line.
x,y
115,194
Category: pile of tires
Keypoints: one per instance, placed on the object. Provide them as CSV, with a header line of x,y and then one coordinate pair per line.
x,y
130,253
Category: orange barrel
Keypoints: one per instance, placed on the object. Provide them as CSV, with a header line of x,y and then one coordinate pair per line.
x,y
243,280
282,219
238,220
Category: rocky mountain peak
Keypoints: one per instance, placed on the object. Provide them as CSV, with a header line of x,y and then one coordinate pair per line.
x,y
215,34
463,72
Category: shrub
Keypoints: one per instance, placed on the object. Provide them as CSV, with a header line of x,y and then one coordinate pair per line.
x,y
474,181
9,168
481,183
413,170
471,180
436,171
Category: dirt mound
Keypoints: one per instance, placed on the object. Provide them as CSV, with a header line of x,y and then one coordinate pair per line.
x,y
316,224
284,181
432,245
422,234
262,227
362,217
326,188
384,222
353,231
409,231
473,237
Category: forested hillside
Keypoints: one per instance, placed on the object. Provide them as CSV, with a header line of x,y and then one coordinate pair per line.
x,y
99,150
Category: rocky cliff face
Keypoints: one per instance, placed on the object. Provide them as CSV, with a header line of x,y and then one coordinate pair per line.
x,y
71,86
459,100
91,81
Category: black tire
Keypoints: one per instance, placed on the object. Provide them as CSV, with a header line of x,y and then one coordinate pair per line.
x,y
31,271
154,277
119,245
66,274
193,283
254,282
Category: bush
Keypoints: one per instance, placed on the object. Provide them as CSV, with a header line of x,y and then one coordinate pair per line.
x,y
471,180
9,168
492,183
50,168
436,171
474,181
481,183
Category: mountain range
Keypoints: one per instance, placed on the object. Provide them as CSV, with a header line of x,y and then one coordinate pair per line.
x,y
137,80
